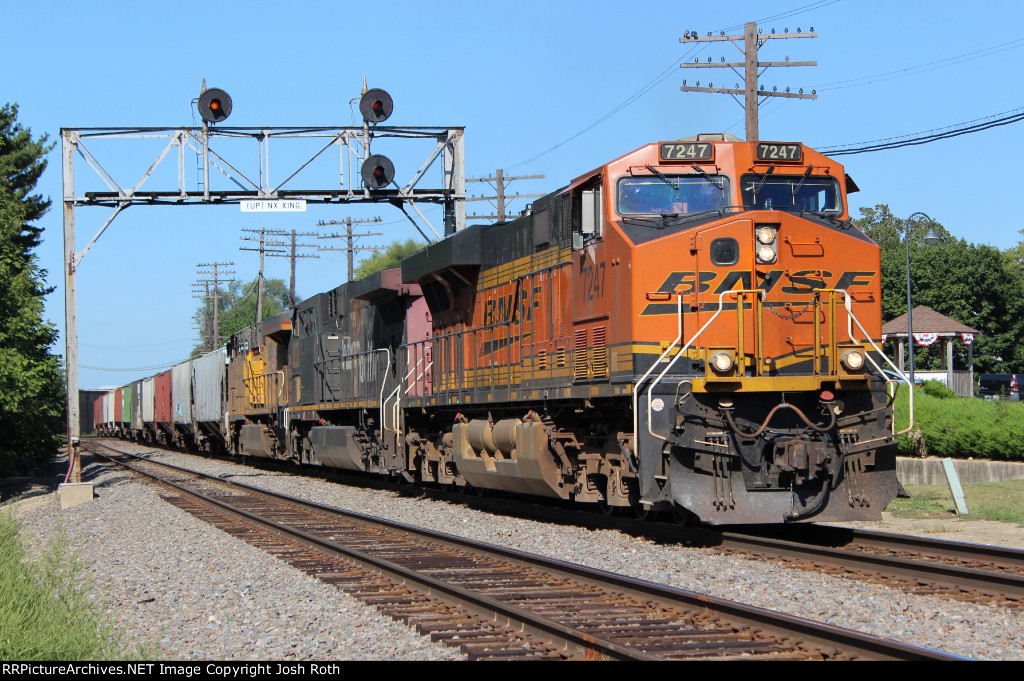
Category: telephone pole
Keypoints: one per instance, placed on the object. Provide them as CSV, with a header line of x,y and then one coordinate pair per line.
x,y
752,40
498,201
263,250
350,239
293,256
276,248
212,289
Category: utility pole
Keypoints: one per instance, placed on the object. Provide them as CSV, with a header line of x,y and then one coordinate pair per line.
x,y
274,248
262,231
498,201
752,41
350,239
213,326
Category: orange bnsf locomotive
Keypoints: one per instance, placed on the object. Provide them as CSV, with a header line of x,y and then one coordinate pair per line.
x,y
690,328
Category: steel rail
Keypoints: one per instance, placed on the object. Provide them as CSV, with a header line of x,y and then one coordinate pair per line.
x,y
958,577
1005,556
579,644
787,627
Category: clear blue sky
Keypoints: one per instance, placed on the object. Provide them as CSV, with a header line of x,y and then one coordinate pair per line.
x,y
522,78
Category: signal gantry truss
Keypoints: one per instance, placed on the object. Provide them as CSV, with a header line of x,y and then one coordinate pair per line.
x,y
234,164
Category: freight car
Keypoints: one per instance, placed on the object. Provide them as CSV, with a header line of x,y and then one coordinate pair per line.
x,y
690,328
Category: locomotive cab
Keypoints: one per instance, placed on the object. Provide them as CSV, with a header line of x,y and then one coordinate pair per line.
x,y
761,409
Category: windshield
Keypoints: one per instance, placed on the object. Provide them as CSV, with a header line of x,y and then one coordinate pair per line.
x,y
653,194
791,193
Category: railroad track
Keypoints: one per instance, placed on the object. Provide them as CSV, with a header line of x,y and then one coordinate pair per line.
x,y
971,572
497,603
975,573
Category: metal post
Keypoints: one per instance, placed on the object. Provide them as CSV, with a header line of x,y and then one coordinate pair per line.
x,y
455,181
930,239
910,308
71,307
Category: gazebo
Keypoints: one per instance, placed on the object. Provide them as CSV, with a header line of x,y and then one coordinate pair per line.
x,y
929,327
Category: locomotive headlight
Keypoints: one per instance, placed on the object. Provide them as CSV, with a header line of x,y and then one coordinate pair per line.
x,y
853,360
721,362
765,235
766,253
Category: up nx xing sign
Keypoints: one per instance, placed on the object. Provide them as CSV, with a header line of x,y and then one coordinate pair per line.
x,y
274,206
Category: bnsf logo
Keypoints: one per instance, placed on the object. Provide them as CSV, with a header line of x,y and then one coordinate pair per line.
x,y
797,283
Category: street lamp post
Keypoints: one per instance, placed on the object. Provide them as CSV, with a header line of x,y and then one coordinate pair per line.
x,y
931,238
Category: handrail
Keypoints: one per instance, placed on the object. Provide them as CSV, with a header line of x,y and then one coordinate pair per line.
x,y
853,318
263,377
686,347
833,349
636,388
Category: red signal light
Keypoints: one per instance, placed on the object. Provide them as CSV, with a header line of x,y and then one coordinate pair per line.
x,y
378,172
376,106
214,105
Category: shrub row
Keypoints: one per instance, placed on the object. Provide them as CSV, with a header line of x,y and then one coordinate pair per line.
x,y
960,427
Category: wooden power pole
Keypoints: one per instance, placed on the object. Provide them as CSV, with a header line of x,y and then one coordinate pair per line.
x,y
350,238
498,201
753,96
212,290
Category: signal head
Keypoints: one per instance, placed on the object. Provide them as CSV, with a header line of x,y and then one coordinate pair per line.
x,y
376,106
378,172
214,105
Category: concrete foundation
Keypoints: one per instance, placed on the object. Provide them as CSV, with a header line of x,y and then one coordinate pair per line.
x,y
73,494
929,471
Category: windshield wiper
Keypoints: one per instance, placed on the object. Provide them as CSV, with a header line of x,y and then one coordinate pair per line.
x,y
664,220
721,186
663,178
800,184
764,178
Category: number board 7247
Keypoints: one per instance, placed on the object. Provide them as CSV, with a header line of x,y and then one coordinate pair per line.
x,y
686,151
779,151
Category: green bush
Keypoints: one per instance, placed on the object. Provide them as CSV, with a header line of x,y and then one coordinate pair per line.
x,y
961,427
937,389
45,609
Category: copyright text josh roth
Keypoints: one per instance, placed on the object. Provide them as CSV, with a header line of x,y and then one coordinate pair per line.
x,y
222,670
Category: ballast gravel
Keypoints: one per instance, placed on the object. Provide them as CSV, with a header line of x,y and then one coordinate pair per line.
x,y
167,580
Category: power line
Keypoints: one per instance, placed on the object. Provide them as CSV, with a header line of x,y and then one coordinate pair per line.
x,y
351,248
921,68
499,199
926,137
149,368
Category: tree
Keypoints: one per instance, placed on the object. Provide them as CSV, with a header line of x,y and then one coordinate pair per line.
x,y
974,284
392,256
236,309
32,393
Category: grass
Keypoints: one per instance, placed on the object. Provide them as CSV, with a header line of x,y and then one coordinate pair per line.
x,y
1002,501
45,609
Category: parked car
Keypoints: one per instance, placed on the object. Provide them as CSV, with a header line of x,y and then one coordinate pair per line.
x,y
1000,386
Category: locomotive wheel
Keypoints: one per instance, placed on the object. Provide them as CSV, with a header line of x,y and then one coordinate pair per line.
x,y
643,512
683,517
